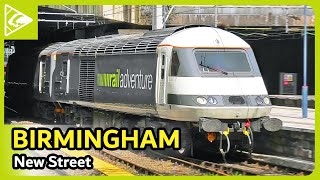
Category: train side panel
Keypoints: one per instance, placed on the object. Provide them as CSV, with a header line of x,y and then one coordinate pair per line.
x,y
125,79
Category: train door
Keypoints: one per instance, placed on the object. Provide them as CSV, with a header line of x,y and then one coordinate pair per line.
x,y
65,73
164,54
44,74
53,60
62,75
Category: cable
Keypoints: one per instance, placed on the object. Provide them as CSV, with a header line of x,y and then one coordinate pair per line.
x,y
223,153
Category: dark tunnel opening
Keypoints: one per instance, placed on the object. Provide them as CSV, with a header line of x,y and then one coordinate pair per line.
x,y
275,56
19,78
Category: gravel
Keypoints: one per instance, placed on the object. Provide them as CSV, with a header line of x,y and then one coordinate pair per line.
x,y
161,166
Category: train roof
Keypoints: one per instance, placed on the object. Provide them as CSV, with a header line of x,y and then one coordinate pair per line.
x,y
183,36
171,30
204,37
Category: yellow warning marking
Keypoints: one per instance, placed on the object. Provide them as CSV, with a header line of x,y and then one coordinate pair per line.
x,y
100,165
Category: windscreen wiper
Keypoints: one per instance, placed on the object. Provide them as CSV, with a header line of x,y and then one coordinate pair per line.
x,y
215,69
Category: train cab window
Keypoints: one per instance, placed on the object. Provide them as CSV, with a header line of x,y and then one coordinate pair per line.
x,y
162,73
43,69
174,64
64,68
163,59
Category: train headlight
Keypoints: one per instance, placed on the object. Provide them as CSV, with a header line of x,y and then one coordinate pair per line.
x,y
201,100
266,100
259,100
212,100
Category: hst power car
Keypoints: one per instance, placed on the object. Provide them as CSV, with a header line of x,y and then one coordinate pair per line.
x,y
203,80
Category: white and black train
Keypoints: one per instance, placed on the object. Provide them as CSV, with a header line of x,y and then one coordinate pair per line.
x,y
203,80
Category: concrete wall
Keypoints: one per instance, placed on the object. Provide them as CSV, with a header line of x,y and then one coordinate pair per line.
x,y
242,15
182,15
296,143
127,13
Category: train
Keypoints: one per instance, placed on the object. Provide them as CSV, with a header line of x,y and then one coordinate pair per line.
x,y
200,79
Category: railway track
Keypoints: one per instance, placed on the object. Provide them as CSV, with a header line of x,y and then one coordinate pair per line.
x,y
138,168
275,167
248,167
251,167
191,164
146,170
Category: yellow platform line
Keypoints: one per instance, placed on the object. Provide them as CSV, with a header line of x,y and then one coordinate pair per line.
x,y
98,164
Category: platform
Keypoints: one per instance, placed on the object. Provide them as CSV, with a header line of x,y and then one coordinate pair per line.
x,y
291,100
285,161
292,118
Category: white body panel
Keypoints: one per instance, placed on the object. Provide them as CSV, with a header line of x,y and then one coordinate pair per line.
x,y
52,67
180,112
208,37
204,37
194,113
216,86
40,75
68,77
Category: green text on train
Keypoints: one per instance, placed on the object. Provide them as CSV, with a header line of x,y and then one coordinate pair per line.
x,y
127,80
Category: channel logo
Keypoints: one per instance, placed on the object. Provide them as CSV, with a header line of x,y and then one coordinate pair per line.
x,y
14,20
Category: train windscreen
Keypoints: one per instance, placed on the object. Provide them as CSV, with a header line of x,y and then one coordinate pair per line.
x,y
222,61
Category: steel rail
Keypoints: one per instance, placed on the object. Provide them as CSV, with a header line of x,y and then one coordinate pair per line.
x,y
189,164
